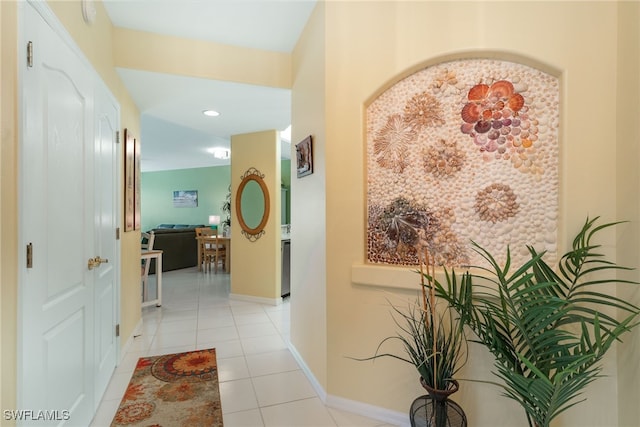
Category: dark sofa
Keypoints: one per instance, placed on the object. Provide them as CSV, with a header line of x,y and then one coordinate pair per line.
x,y
178,244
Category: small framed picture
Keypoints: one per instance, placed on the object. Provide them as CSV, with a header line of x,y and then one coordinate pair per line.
x,y
304,157
185,199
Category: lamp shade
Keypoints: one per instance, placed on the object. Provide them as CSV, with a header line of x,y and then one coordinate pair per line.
x,y
214,219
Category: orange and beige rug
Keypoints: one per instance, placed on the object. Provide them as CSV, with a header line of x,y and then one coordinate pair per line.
x,y
172,390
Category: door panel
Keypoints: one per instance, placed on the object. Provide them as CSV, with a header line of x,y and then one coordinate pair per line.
x,y
64,341
65,112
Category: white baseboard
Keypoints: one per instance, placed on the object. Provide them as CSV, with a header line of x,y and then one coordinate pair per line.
x,y
305,369
259,300
136,332
388,416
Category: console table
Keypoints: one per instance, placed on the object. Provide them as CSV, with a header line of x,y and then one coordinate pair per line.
x,y
157,255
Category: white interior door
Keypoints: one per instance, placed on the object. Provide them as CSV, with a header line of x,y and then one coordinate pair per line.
x,y
67,311
106,221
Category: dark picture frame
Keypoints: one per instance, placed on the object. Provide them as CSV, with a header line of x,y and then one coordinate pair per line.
x,y
304,157
129,181
137,219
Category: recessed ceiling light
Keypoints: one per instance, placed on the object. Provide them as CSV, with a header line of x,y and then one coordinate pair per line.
x,y
210,113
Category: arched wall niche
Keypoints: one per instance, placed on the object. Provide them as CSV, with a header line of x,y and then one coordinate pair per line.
x,y
463,148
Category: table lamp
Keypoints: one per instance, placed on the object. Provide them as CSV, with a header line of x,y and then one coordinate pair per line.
x,y
214,221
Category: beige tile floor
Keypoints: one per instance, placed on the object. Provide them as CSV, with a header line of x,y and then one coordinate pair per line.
x,y
261,383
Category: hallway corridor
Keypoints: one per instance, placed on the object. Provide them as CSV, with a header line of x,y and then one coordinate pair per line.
x,y
261,384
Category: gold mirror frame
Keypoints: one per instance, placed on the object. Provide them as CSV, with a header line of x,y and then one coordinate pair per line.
x,y
252,174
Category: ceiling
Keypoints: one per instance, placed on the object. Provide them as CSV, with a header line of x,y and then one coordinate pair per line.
x,y
174,132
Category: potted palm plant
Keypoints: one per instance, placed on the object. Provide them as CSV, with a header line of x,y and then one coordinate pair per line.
x,y
435,344
548,330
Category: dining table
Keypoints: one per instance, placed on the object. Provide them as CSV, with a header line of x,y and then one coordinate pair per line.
x,y
221,240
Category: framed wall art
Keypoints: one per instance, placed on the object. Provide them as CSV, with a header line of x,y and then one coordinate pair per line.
x,y
462,151
129,181
137,199
185,199
304,157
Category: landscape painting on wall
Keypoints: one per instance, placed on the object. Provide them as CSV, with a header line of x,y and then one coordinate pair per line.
x,y
185,199
462,151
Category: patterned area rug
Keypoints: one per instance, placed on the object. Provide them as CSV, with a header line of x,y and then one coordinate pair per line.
x,y
173,390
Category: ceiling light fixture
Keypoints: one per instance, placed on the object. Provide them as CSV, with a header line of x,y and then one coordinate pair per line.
x,y
221,153
211,113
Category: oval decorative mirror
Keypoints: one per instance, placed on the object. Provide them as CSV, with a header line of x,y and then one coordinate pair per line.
x,y
252,204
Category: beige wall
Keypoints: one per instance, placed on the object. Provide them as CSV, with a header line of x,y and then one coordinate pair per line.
x,y
308,201
196,58
628,198
255,265
365,45
8,203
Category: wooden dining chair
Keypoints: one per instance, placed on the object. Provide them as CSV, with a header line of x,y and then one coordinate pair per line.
x,y
213,252
207,248
220,255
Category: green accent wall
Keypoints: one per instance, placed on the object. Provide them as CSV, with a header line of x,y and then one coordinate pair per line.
x,y
285,172
211,183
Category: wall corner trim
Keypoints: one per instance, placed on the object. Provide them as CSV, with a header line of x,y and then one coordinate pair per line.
x,y
259,300
364,409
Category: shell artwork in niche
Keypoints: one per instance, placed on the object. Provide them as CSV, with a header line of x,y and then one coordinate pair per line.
x,y
459,151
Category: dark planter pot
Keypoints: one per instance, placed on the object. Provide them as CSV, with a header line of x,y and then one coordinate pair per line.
x,y
436,409
440,395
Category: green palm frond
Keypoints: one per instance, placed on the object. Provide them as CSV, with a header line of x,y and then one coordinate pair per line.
x,y
547,329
